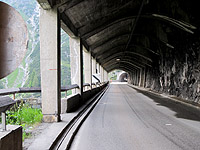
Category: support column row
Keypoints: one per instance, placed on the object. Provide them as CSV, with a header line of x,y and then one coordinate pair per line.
x,y
50,62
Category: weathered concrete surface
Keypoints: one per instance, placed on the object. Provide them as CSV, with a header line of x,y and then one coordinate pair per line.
x,y
87,95
70,104
102,73
73,102
93,66
105,75
49,65
12,138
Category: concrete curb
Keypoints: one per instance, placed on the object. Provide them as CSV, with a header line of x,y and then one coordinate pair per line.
x,y
50,135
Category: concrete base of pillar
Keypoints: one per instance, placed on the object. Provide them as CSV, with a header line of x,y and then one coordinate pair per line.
x,y
11,139
51,118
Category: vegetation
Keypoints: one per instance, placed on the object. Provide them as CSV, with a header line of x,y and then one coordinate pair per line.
x,y
65,60
113,75
24,116
30,13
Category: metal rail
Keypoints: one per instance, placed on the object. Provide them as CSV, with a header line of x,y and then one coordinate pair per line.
x,y
32,90
38,89
6,102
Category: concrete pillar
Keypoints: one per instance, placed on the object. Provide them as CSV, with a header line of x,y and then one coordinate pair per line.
x,y
138,77
76,63
102,73
87,66
93,66
142,77
131,78
105,75
135,78
50,64
98,68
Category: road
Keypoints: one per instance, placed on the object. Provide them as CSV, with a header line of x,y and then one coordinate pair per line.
x,y
128,119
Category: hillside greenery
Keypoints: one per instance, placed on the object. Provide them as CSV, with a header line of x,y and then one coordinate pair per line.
x,y
25,116
28,73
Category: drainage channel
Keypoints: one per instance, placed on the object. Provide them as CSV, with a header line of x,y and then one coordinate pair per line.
x,y
65,138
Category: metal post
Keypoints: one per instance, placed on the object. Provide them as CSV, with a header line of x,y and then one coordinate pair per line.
x,y
81,68
90,70
3,117
59,64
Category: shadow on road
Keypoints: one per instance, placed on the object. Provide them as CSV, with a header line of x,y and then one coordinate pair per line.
x,y
182,111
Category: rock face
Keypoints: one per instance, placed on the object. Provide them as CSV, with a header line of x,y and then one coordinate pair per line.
x,y
178,71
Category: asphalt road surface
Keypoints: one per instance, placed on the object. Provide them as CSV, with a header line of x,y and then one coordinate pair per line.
x,y
128,119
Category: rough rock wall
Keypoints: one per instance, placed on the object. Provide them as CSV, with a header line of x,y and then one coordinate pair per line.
x,y
178,72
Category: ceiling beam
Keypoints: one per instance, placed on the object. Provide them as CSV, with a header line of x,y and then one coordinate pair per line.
x,y
133,55
139,52
101,28
67,4
68,23
45,4
121,48
128,61
136,59
95,27
112,42
103,41
108,44
122,65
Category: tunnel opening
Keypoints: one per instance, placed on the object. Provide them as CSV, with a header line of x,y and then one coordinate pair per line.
x,y
118,76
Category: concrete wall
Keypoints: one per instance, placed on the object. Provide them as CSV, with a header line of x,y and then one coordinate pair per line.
x,y
12,138
72,103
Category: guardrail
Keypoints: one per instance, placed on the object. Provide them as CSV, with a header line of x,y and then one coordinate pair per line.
x,y
38,89
6,102
32,90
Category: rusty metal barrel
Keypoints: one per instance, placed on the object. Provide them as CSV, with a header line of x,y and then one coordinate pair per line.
x,y
13,39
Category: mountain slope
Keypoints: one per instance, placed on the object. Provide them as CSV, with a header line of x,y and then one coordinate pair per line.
x,y
28,73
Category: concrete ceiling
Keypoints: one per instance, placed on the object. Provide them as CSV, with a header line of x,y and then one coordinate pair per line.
x,y
128,34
